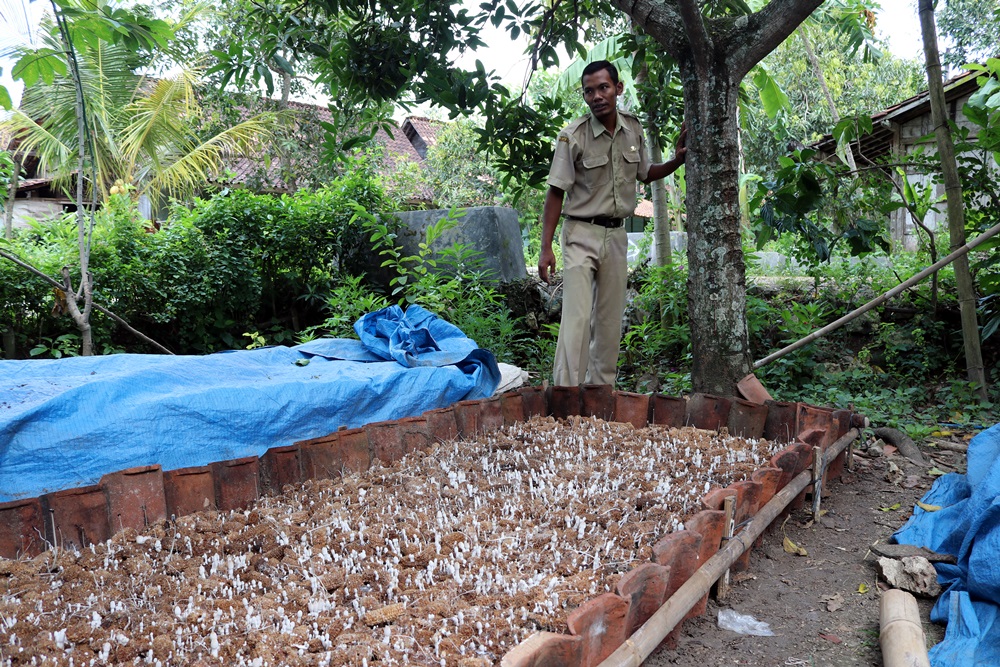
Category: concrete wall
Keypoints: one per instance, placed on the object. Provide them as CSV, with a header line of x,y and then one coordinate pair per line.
x,y
492,230
637,252
38,209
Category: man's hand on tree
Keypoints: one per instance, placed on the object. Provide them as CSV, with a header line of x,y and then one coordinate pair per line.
x,y
680,153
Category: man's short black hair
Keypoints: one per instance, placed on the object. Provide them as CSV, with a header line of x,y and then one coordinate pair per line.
x,y
597,66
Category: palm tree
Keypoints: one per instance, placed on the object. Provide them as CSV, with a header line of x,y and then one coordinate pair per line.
x,y
143,131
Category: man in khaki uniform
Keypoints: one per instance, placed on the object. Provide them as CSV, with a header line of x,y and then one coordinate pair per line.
x,y
595,166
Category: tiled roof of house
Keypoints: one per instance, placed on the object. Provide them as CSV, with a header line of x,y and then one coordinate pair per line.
x,y
422,133
409,142
397,146
26,184
644,209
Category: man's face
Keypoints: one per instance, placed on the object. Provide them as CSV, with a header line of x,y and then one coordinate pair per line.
x,y
600,93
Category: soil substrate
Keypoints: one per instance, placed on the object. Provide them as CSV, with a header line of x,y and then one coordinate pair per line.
x,y
449,557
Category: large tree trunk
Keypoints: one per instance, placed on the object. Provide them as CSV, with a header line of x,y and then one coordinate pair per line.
x,y
714,55
716,268
953,193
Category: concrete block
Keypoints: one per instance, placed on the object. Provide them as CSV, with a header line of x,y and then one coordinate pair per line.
x,y
492,230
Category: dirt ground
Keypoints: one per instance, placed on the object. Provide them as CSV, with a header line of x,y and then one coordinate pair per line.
x,y
814,603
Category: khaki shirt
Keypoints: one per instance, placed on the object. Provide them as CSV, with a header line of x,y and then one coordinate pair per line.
x,y
598,171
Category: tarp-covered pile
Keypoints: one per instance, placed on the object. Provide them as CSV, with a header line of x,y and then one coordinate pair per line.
x,y
967,526
64,423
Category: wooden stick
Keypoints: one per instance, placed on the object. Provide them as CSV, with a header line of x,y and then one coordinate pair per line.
x,y
817,478
645,640
900,632
135,332
836,324
850,457
729,507
950,446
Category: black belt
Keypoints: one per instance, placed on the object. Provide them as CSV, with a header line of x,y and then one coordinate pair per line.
x,y
601,220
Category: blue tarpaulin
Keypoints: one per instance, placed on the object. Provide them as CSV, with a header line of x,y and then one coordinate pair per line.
x,y
66,422
968,527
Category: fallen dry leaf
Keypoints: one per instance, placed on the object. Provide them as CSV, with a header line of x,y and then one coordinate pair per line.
x,y
890,508
889,450
928,508
833,639
936,472
793,548
862,589
910,481
833,602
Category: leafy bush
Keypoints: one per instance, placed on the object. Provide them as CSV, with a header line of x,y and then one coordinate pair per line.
x,y
346,304
657,342
235,263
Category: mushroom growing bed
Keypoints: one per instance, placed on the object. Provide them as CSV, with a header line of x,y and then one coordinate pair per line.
x,y
450,556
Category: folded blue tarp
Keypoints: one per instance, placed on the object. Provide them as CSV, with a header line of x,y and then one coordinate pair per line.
x,y
66,422
968,527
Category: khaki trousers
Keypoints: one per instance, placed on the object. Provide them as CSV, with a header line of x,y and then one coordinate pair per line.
x,y
594,279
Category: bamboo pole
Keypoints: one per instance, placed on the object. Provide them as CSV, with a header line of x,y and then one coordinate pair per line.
x,y
817,474
729,509
644,640
900,633
953,198
877,301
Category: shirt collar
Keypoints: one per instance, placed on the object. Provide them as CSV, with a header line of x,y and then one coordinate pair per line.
x,y
597,127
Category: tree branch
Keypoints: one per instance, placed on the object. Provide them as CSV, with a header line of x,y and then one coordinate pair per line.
x,y
763,31
69,293
699,40
661,20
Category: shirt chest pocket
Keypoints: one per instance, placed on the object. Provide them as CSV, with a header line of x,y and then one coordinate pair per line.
x,y
630,160
596,170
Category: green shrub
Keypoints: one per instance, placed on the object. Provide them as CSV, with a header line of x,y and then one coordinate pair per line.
x,y
225,266
657,342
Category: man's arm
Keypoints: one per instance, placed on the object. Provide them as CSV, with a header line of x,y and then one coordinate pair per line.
x,y
550,220
664,169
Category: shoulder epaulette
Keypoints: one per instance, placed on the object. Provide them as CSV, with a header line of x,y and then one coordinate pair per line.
x,y
573,125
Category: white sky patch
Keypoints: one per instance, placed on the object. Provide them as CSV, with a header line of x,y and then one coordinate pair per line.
x,y
897,22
